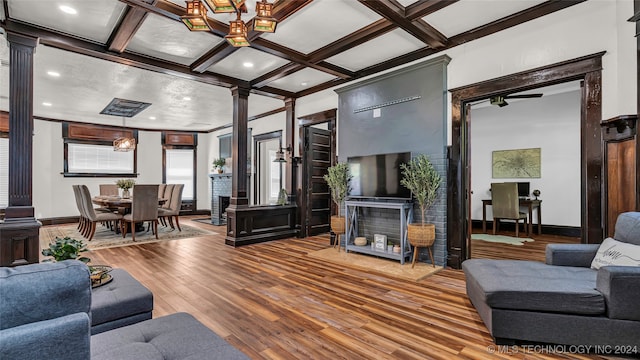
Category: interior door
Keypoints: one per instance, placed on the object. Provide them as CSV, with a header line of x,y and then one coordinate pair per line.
x,y
317,159
268,172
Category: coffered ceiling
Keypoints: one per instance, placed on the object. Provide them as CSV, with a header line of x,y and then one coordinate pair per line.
x,y
140,50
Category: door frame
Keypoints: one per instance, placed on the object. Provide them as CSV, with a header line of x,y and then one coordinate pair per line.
x,y
327,116
256,160
588,69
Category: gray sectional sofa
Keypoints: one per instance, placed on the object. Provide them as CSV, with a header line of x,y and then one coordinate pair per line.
x,y
45,313
562,301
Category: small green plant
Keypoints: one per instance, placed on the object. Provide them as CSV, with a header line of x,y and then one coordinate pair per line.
x,y
338,178
125,184
66,249
219,162
422,179
282,197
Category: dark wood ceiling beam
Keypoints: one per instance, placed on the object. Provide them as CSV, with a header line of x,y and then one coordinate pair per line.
x,y
422,8
276,74
79,46
281,10
518,18
127,28
394,12
276,91
354,39
267,113
523,16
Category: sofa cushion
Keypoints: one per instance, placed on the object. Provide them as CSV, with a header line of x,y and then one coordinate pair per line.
x,y
628,228
121,299
535,286
615,253
176,336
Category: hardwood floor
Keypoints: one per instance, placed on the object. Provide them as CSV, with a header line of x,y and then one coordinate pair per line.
x,y
529,251
272,301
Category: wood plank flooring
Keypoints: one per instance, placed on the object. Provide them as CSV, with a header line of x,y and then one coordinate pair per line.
x,y
272,301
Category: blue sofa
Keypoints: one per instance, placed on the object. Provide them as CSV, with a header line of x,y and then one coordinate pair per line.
x,y
561,301
45,314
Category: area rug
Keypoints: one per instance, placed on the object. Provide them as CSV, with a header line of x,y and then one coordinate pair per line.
x,y
387,267
105,238
501,239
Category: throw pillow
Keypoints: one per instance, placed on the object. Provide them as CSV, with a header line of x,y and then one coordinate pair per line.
x,y
614,252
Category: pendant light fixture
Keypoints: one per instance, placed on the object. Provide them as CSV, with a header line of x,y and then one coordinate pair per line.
x,y
237,33
124,143
225,6
196,17
264,20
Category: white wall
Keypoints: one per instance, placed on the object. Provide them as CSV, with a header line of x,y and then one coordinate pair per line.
x,y
551,123
52,192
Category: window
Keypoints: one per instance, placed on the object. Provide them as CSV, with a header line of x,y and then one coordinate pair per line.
x,y
4,172
225,146
88,151
179,170
98,159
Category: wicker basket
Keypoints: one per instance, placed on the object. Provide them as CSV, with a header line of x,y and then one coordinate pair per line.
x,y
337,224
421,235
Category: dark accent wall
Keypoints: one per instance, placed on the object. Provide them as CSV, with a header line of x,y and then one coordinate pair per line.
x,y
412,104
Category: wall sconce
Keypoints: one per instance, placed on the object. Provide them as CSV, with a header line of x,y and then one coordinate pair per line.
x,y
280,154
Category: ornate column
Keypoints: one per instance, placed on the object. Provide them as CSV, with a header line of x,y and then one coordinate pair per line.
x,y
239,146
290,183
19,233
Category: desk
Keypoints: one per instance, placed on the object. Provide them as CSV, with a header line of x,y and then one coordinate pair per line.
x,y
529,203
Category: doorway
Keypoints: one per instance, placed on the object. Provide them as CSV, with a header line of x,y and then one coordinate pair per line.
x,y
268,173
587,69
318,137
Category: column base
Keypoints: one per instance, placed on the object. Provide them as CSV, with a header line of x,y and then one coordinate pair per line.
x,y
19,241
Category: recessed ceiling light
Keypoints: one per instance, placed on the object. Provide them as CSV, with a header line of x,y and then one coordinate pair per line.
x,y
53,73
68,9
186,98
47,104
304,83
152,117
247,64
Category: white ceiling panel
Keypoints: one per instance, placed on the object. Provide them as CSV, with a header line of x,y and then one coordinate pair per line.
x,y
320,23
468,14
236,64
80,93
301,80
170,40
394,43
94,20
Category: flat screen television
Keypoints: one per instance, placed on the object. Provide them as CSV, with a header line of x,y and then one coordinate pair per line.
x,y
378,176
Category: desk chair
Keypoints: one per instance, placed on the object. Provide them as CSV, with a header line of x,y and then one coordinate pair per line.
x,y
506,205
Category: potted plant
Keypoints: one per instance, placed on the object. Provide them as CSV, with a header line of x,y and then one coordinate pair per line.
x,y
338,178
419,176
68,248
125,185
218,164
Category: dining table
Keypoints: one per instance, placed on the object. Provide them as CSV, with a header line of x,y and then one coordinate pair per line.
x,y
123,205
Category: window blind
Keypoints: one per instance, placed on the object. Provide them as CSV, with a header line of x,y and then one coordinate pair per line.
x,y
86,158
179,163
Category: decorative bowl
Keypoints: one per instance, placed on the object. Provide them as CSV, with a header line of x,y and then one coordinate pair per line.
x,y
360,241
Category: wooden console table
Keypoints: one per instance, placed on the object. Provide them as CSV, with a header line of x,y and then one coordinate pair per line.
x,y
529,203
351,231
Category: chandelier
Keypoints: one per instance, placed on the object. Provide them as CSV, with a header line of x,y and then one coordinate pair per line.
x,y
124,143
196,18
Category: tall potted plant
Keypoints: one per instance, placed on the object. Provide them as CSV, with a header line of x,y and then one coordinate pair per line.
x,y
420,176
338,178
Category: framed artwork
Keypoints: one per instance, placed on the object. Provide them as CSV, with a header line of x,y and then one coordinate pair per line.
x,y
379,242
519,163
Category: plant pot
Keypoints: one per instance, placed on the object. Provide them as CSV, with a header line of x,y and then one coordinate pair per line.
x,y
126,194
396,249
337,224
220,171
421,235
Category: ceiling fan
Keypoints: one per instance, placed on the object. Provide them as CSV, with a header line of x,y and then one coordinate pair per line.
x,y
501,100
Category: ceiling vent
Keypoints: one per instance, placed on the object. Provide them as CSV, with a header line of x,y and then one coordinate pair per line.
x,y
125,108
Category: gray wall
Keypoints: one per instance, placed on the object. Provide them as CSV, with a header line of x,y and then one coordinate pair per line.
x,y
417,125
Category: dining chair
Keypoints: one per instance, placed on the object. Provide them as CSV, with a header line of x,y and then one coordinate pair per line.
x,y
109,189
161,188
82,220
166,194
173,210
94,217
506,206
144,207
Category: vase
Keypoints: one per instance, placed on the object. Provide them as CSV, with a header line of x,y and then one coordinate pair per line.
x,y
125,194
